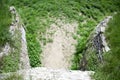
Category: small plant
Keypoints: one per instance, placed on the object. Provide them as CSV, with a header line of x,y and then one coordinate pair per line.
x,y
75,37
49,40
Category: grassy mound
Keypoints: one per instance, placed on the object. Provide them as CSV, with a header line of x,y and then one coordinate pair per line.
x,y
37,16
111,69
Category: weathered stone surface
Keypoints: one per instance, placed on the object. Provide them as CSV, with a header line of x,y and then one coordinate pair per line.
x,y
101,29
5,50
42,73
24,59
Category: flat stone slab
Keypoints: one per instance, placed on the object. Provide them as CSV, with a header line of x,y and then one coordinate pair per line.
x,y
42,73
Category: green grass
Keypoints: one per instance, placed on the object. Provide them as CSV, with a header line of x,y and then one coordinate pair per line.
x,y
5,20
111,69
14,77
10,63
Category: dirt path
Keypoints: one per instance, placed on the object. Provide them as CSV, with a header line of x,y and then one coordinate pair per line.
x,y
58,53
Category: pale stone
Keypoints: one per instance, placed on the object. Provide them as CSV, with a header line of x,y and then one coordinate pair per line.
x,y
16,25
5,50
102,29
42,73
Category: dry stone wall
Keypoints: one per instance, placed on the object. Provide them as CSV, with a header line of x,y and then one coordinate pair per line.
x,y
18,25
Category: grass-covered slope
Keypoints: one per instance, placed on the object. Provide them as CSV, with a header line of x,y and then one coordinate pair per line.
x,y
111,68
37,14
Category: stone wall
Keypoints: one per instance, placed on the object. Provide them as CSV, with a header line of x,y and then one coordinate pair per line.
x,y
96,46
18,25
